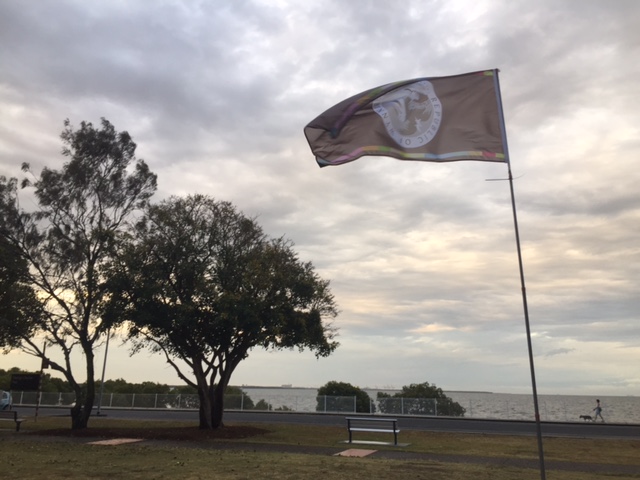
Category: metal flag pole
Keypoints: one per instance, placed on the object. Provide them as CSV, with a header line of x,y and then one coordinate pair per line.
x,y
543,474
104,367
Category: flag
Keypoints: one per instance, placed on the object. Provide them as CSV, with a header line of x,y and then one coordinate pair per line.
x,y
437,119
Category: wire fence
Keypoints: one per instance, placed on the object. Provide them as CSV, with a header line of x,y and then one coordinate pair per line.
x,y
624,410
322,404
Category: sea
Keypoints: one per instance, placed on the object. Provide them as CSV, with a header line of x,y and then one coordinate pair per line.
x,y
481,405
478,405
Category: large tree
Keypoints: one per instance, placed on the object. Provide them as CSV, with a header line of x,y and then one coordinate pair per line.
x,y
20,310
201,283
66,241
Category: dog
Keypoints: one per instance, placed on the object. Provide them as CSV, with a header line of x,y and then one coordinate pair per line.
x,y
586,418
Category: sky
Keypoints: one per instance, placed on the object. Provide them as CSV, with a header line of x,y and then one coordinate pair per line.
x,y
421,256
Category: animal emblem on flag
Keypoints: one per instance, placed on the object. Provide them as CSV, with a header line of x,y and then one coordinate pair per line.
x,y
411,114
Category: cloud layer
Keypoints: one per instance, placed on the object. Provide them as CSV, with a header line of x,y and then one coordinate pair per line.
x,y
421,257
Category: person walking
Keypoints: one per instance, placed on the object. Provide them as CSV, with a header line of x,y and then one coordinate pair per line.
x,y
598,411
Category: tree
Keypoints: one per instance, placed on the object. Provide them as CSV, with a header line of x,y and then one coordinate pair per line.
x,y
20,310
422,399
236,398
342,389
200,282
67,240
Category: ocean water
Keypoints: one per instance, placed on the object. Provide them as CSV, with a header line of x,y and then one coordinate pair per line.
x,y
502,406
481,405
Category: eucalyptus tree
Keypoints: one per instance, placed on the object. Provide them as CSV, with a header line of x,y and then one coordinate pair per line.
x,y
66,241
201,283
20,310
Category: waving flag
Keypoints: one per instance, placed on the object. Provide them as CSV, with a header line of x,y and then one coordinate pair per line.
x,y
438,119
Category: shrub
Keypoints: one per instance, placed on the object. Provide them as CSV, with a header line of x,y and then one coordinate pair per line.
x,y
342,389
422,399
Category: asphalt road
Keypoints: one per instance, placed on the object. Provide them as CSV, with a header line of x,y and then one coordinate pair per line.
x,y
435,424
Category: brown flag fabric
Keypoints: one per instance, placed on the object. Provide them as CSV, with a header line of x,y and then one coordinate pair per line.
x,y
438,119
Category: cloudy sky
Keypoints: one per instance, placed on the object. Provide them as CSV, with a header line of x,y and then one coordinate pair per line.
x,y
421,256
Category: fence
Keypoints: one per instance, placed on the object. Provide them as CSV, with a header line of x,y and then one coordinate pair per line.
x,y
323,403
482,406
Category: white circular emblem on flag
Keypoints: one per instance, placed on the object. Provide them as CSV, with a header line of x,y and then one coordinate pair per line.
x,y
411,114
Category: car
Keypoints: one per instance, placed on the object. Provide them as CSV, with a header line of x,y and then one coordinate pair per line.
x,y
5,400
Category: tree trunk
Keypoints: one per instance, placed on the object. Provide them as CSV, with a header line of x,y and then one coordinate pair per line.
x,y
85,396
78,420
218,405
205,408
79,414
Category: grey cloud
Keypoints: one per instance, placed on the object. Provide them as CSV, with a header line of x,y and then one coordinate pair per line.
x,y
216,95
558,351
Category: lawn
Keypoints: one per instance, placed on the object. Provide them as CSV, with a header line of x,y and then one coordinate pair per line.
x,y
46,448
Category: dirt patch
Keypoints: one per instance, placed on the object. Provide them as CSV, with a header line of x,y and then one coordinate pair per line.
x,y
192,434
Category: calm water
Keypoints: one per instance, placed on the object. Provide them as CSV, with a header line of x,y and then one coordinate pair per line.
x,y
502,406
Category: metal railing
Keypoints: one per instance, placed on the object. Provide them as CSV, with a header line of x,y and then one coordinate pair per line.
x,y
323,403
619,410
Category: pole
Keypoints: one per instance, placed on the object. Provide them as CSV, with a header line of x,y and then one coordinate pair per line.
x,y
104,367
536,409
43,363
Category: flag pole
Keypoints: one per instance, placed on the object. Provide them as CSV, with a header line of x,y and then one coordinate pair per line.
x,y
522,283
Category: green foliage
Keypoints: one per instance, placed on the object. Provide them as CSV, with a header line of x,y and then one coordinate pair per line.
x,y
284,408
185,389
122,386
20,310
200,282
67,241
342,389
421,399
236,398
263,405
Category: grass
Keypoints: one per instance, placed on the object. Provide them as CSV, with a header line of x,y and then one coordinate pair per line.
x,y
23,457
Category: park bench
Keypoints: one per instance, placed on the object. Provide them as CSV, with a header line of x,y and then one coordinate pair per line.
x,y
375,425
11,415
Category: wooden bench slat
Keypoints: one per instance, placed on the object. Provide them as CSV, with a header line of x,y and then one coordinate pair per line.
x,y
365,424
374,430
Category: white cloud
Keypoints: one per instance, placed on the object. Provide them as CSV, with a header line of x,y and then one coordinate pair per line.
x,y
421,257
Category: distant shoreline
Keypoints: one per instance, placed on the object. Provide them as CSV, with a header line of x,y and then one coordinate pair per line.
x,y
285,387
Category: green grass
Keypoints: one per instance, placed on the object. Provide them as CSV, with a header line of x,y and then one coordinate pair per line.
x,y
24,458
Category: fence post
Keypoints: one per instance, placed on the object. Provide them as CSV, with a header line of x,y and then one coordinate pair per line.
x,y
133,401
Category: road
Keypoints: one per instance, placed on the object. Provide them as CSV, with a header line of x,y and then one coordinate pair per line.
x,y
434,424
